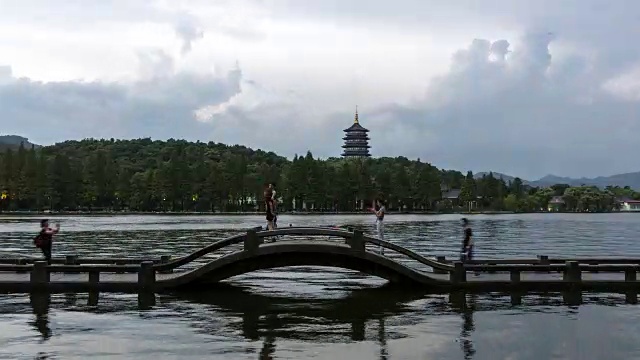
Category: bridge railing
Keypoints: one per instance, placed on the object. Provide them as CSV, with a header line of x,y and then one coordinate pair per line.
x,y
357,240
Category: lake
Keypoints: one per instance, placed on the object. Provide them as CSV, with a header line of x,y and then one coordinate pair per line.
x,y
321,313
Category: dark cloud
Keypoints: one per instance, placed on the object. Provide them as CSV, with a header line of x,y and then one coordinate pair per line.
x,y
161,105
527,115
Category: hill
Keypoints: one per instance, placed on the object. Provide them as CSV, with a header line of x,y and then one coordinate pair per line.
x,y
628,179
14,141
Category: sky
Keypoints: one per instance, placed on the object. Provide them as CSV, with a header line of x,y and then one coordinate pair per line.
x,y
524,87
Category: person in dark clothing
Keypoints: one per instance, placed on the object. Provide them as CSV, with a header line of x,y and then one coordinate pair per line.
x,y
268,203
466,252
274,203
45,239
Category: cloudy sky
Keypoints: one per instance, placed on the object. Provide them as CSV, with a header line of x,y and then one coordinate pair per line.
x,y
523,87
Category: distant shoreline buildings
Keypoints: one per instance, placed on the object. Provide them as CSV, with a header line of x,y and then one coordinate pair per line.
x,y
356,140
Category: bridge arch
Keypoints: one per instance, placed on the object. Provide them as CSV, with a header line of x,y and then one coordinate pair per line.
x,y
283,254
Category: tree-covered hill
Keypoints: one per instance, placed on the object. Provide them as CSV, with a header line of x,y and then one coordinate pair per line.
x,y
176,175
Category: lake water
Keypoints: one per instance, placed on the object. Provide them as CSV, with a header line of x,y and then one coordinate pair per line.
x,y
320,313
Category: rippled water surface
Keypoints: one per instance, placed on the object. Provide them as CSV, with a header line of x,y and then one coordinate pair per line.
x,y
321,313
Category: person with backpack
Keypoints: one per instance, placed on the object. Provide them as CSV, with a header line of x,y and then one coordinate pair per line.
x,y
44,240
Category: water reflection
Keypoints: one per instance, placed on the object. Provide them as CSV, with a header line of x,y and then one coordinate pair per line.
x,y
375,316
270,317
40,303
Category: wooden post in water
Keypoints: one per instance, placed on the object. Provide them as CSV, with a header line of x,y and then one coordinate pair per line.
x,y
146,277
94,296
357,241
94,283
516,298
631,275
442,260
251,242
39,275
459,274
165,259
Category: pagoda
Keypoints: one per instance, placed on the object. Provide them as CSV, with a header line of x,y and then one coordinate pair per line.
x,y
356,140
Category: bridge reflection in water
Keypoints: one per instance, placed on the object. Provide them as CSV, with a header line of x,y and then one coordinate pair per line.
x,y
269,318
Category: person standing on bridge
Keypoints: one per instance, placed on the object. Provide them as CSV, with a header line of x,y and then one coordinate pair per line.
x,y
268,203
379,210
466,252
274,200
44,240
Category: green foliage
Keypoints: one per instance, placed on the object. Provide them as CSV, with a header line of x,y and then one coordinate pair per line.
x,y
176,175
511,202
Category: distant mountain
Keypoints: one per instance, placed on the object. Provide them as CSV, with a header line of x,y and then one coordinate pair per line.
x,y
629,179
14,141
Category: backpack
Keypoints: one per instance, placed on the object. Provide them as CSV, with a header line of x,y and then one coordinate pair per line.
x,y
37,240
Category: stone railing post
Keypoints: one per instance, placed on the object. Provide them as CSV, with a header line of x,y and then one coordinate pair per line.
x,y
22,262
165,259
39,275
70,260
572,272
543,260
459,274
357,241
514,276
146,277
631,274
251,241
442,260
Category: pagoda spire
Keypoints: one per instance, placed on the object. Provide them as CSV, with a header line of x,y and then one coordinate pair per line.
x,y
355,121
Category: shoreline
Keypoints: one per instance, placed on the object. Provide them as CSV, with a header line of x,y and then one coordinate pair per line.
x,y
298,213
238,213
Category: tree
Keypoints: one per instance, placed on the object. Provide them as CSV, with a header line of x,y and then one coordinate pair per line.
x,y
511,202
177,175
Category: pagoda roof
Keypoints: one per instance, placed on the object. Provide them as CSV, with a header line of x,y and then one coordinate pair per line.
x,y
356,127
356,154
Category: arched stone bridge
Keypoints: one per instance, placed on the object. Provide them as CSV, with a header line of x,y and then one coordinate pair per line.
x,y
340,248
295,246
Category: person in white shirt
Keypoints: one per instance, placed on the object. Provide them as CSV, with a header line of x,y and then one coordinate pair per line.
x,y
379,210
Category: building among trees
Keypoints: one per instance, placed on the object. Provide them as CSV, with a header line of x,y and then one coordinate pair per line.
x,y
356,140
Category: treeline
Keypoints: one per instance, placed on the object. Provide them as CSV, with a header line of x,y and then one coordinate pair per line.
x,y
176,175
